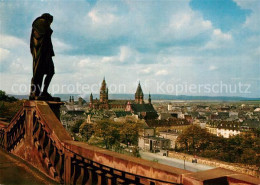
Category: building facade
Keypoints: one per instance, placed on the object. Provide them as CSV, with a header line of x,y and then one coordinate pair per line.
x,y
148,141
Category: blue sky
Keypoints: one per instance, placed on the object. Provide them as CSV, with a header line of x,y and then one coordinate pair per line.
x,y
161,43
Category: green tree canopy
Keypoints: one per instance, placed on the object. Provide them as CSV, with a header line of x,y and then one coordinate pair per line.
x,y
195,139
109,131
243,148
4,97
75,128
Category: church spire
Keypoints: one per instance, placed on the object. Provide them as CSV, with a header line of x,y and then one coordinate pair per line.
x,y
149,99
139,95
103,91
103,85
91,98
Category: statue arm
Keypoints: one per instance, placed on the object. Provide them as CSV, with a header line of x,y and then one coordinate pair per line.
x,y
41,28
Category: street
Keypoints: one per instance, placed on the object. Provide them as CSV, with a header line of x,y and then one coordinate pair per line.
x,y
178,163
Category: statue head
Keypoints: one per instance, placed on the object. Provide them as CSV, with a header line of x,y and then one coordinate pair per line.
x,y
48,17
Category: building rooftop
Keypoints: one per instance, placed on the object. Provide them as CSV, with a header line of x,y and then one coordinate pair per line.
x,y
119,102
254,124
122,113
143,108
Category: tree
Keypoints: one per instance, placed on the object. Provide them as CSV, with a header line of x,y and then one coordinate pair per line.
x,y
86,130
4,97
9,109
129,133
113,133
75,127
249,157
194,139
241,148
108,131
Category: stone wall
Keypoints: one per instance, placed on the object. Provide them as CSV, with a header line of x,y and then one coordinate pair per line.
x,y
252,170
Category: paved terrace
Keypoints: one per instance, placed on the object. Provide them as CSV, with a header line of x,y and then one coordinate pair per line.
x,y
13,170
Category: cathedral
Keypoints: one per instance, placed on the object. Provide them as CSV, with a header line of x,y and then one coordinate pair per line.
x,y
137,106
104,102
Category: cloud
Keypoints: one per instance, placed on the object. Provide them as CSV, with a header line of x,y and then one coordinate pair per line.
x,y
125,55
256,52
212,68
84,62
60,46
9,42
161,72
3,54
14,55
252,21
220,35
147,70
101,18
182,23
219,40
248,4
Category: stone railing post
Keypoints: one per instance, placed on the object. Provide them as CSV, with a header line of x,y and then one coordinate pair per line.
x,y
137,180
29,107
109,179
100,177
5,140
90,175
67,167
120,181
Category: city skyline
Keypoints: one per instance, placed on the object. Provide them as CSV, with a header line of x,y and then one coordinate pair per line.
x,y
169,42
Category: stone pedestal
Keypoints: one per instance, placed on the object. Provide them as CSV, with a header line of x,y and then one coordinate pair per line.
x,y
55,107
54,103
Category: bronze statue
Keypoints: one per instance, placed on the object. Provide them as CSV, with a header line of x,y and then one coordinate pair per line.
x,y
42,53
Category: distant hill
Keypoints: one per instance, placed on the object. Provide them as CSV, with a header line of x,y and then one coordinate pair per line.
x,y
160,97
65,97
20,97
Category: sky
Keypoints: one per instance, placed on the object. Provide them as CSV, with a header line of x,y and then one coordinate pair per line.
x,y
179,47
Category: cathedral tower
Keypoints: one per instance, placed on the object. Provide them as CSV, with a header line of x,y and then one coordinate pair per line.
x,y
91,98
103,92
139,95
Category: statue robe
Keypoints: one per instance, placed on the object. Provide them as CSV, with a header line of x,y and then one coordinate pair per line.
x,y
41,48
